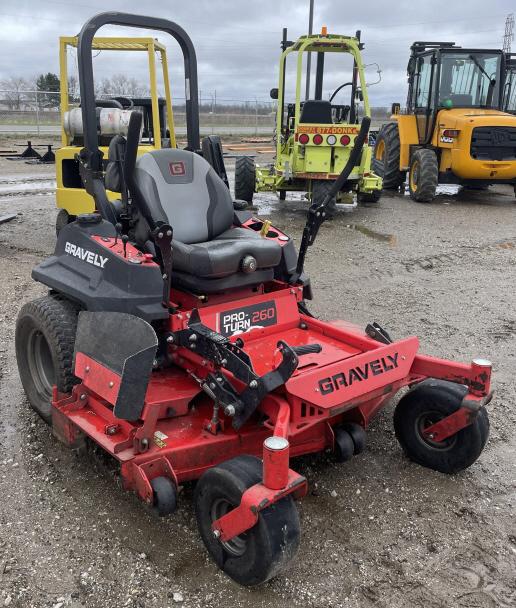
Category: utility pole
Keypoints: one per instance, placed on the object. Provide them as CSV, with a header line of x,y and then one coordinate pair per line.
x,y
309,58
509,35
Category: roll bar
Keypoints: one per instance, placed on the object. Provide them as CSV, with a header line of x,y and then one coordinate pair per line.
x,y
84,58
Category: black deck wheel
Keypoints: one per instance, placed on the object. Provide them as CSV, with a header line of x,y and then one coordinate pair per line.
x,y
45,337
260,553
358,435
165,495
429,402
344,446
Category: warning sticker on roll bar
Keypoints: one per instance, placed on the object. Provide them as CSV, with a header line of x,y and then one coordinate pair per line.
x,y
240,320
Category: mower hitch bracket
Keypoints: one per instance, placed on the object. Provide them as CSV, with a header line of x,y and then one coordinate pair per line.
x,y
217,348
253,395
256,499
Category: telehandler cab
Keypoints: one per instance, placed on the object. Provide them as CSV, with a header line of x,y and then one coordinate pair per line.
x,y
176,337
454,129
315,137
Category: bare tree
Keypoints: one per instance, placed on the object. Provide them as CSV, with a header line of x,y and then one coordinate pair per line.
x,y
14,91
73,87
120,84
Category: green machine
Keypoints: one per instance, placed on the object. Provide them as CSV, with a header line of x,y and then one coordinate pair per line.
x,y
314,137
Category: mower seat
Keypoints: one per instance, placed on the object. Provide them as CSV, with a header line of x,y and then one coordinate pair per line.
x,y
316,111
181,188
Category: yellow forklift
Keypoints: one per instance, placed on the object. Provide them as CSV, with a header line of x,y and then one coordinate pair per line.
x,y
112,118
454,129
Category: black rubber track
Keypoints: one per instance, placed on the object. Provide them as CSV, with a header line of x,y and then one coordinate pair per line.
x,y
427,176
245,178
56,318
389,167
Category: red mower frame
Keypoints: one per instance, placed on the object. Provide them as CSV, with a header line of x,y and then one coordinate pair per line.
x,y
349,380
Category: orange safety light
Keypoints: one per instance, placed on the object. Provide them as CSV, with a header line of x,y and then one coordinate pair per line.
x,y
324,31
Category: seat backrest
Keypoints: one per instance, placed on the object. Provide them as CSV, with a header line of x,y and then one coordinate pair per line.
x,y
181,188
316,111
113,177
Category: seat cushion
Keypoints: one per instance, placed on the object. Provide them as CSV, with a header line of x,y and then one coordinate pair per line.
x,y
223,255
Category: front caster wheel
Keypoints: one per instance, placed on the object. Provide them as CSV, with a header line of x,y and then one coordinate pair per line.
x,y
260,553
431,401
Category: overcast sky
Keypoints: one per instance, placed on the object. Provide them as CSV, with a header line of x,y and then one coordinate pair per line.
x,y
237,42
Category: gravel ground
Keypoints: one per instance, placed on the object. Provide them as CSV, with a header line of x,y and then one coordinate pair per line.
x,y
377,531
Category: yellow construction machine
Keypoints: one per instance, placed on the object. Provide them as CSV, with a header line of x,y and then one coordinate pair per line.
x,y
454,129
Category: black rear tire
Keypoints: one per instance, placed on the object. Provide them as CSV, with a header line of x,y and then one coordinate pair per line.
x,y
45,337
245,178
426,404
386,157
260,553
423,175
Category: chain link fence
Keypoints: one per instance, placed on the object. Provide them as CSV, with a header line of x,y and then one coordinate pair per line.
x,y
38,112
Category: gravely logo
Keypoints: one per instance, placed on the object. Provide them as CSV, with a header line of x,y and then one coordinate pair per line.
x,y
85,255
358,374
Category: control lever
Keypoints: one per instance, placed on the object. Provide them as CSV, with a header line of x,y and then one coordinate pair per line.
x,y
317,212
306,349
118,228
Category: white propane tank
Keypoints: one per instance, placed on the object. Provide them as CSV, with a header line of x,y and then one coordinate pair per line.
x,y
112,121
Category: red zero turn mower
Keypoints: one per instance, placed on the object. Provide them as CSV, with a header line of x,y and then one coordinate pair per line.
x,y
175,335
